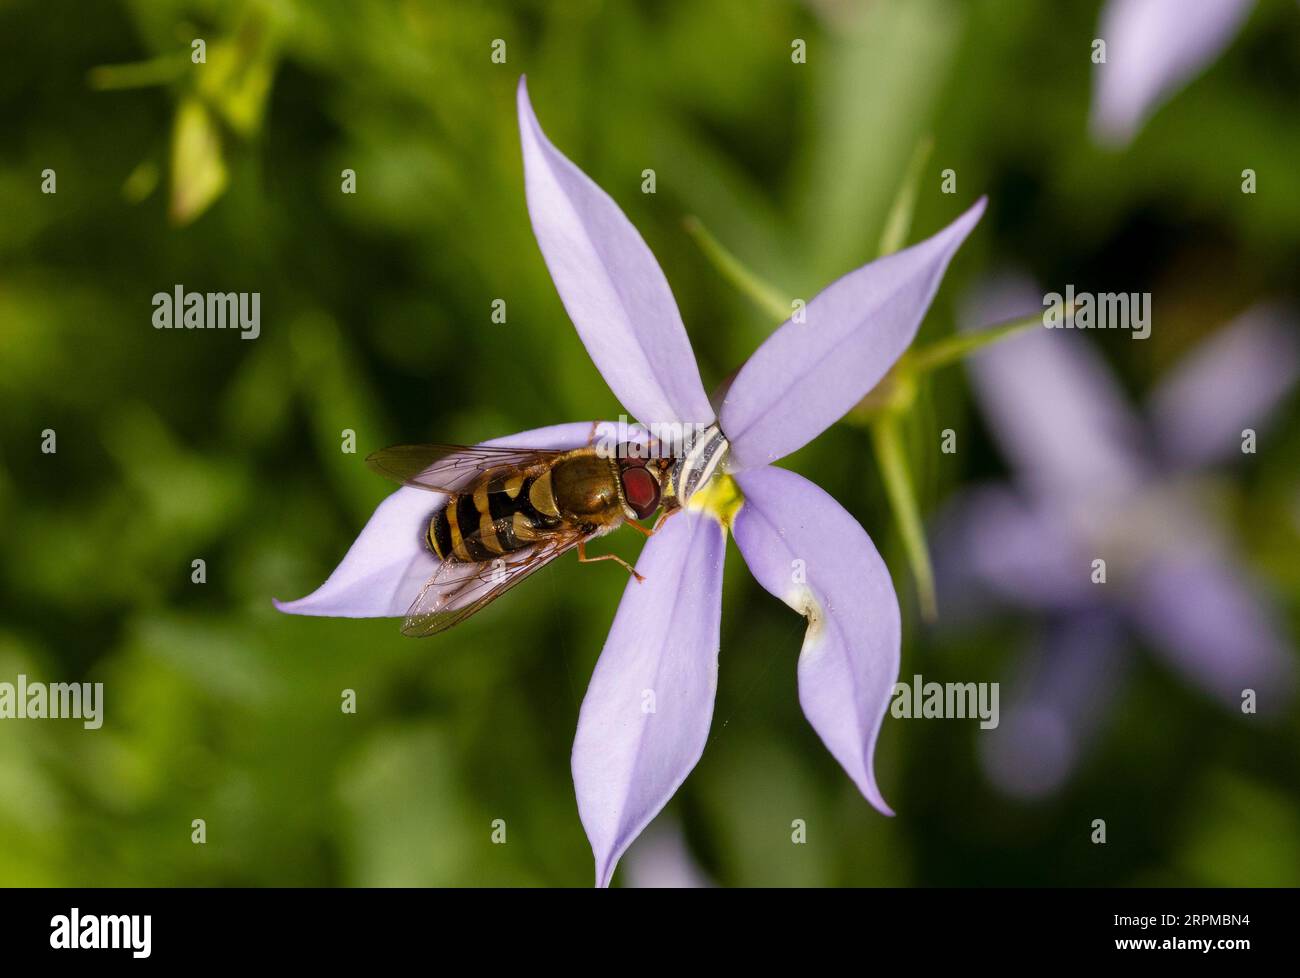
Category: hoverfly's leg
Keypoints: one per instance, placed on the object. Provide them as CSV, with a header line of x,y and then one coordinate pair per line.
x,y
584,559
663,518
591,438
638,527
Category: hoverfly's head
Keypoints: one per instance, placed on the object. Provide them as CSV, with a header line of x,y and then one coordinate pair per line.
x,y
705,455
642,481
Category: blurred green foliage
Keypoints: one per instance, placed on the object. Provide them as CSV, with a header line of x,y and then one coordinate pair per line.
x,y
176,445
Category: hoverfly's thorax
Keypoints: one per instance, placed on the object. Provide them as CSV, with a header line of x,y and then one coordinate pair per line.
x,y
704,457
585,485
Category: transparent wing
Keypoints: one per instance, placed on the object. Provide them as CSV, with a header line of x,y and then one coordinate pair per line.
x,y
458,590
449,468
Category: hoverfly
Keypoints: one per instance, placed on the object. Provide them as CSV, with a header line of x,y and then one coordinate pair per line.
x,y
511,511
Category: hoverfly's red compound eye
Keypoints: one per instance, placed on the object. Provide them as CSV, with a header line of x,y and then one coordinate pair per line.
x,y
640,488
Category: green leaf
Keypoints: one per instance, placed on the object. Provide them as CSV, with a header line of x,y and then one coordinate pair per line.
x,y
886,438
765,296
899,222
880,70
141,182
237,78
198,166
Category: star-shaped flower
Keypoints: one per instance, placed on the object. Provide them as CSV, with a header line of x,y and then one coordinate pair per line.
x,y
1096,480
646,715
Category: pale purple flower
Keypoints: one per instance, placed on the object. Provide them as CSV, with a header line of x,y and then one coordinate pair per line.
x,y
1095,480
646,715
662,860
1153,48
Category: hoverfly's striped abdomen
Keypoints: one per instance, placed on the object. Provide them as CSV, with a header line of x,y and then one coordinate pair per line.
x,y
500,515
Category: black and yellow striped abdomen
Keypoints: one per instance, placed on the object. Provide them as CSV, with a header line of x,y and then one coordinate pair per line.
x,y
501,514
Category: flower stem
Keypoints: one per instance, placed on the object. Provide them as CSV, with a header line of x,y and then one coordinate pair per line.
x,y
886,438
763,295
162,70
952,349
885,435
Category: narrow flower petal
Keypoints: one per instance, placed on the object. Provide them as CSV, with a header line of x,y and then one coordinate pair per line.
x,y
1051,403
1154,47
805,549
389,562
1058,701
808,374
1200,611
1230,382
611,285
646,715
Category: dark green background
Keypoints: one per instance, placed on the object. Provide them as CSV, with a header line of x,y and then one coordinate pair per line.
x,y
174,445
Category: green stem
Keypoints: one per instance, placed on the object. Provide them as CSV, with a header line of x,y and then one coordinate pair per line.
x,y
763,295
885,434
902,499
952,349
162,70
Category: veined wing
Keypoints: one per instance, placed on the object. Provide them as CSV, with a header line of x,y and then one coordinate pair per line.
x,y
458,590
450,468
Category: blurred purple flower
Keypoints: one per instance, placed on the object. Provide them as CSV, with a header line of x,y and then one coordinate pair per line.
x,y
646,715
662,860
1095,481
1154,47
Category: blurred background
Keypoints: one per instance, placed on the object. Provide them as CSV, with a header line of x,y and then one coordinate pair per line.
x,y
376,317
